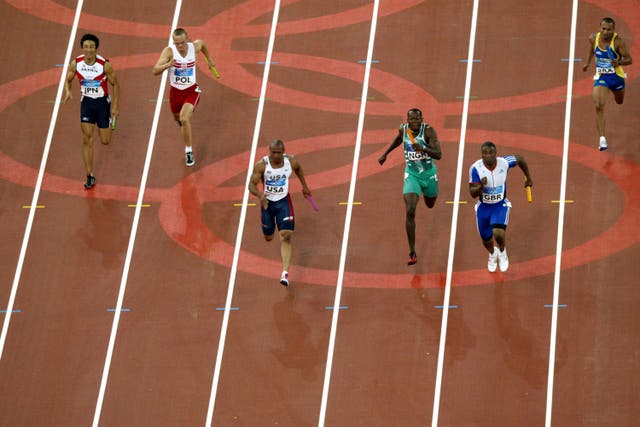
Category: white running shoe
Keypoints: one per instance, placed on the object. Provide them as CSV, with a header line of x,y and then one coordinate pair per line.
x,y
503,260
603,144
284,279
492,264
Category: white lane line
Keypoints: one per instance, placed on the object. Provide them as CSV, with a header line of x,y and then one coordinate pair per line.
x,y
36,191
347,223
243,214
454,216
561,208
132,236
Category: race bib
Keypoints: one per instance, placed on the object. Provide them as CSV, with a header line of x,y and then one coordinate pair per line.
x,y
605,70
91,88
415,156
183,75
274,189
492,195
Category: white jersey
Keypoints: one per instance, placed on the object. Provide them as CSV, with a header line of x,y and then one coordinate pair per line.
x,y
495,189
276,181
182,74
93,79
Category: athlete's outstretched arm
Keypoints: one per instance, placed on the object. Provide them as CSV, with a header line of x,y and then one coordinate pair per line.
x,y
525,169
297,168
592,42
256,177
395,144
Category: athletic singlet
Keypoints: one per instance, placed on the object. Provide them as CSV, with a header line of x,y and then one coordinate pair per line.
x,y
182,74
605,57
416,161
93,80
276,181
495,189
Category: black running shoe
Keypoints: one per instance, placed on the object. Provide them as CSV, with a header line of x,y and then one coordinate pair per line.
x,y
188,158
91,181
284,279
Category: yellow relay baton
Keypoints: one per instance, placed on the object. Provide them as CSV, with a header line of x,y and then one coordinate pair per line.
x,y
213,70
528,190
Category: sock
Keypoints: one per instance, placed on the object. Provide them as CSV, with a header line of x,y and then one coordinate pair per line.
x,y
187,149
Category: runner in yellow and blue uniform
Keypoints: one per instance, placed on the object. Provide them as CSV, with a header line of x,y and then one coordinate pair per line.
x,y
421,148
611,53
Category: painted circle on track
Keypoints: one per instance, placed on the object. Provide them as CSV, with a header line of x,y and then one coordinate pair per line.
x,y
622,234
619,236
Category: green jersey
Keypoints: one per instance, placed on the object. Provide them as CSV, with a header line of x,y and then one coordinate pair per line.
x,y
417,162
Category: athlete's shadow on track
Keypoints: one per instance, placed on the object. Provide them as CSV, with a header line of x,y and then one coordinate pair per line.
x,y
297,350
107,231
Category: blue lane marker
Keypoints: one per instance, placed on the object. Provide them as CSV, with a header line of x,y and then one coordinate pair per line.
x,y
574,60
341,307
113,310
60,65
13,311
263,62
466,60
230,308
442,306
559,305
373,61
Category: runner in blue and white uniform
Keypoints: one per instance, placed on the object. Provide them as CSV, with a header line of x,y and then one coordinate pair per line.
x,y
488,182
611,53
274,171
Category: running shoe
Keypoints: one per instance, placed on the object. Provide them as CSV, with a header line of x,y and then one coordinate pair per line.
x,y
503,260
91,181
413,258
603,144
492,264
189,159
284,279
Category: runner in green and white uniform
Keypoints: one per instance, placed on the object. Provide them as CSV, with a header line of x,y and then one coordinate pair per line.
x,y
420,174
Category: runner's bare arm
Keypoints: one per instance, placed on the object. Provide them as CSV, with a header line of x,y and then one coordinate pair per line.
x,y
201,47
433,145
71,72
297,168
164,62
395,144
592,42
115,85
256,177
625,55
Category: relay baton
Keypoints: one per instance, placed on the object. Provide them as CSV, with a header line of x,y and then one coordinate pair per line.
x,y
213,69
313,204
114,122
529,196
413,141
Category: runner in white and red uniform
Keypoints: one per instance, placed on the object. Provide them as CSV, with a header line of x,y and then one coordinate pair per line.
x,y
96,105
184,93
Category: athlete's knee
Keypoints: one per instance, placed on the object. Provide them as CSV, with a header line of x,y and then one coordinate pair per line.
x,y
411,211
430,202
285,235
